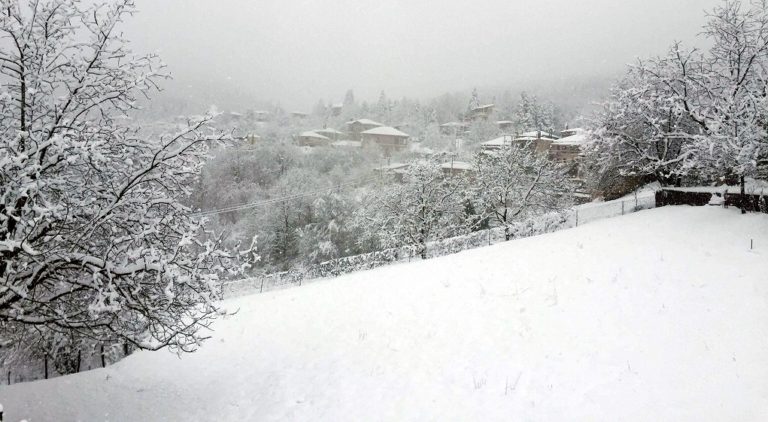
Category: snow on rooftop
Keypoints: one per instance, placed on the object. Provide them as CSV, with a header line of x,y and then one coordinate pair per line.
x,y
484,106
538,133
454,124
329,130
501,141
366,122
457,165
312,134
386,131
394,166
579,139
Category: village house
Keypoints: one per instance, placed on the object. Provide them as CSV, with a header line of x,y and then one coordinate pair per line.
x,y
453,128
387,138
332,134
567,150
498,143
481,112
396,170
505,125
356,127
539,141
261,115
299,115
455,168
312,139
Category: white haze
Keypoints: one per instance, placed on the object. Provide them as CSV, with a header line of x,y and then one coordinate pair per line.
x,y
293,52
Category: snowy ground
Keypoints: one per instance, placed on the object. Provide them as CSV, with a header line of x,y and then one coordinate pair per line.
x,y
660,315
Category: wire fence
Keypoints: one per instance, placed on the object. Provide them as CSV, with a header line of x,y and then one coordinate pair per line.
x,y
547,223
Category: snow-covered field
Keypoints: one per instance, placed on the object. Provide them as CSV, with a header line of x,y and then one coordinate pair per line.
x,y
660,315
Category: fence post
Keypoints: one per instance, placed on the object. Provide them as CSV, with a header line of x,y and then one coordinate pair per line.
x,y
622,207
261,289
489,236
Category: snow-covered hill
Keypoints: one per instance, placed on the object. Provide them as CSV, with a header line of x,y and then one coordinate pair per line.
x,y
659,315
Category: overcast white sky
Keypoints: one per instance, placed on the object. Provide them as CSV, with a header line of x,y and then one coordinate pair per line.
x,y
298,51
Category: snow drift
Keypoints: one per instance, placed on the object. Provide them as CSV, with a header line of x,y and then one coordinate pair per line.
x,y
659,315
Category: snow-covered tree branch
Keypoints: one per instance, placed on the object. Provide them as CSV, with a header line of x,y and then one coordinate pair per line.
x,y
94,238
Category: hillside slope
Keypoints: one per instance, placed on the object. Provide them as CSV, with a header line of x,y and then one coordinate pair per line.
x,y
658,315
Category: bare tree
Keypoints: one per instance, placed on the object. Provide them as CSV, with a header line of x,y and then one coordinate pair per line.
x,y
94,238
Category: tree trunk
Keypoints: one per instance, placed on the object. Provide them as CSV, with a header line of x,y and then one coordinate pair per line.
x,y
743,200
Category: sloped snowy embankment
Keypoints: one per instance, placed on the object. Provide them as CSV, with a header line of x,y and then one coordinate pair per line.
x,y
659,315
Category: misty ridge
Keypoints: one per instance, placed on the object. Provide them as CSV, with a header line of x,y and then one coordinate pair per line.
x,y
358,210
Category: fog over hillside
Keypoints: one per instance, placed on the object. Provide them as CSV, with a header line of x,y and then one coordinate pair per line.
x,y
296,52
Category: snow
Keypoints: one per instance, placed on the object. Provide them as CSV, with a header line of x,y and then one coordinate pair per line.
x,y
366,122
393,166
538,134
315,135
386,131
483,107
348,144
502,141
457,165
579,139
454,124
329,131
751,187
656,315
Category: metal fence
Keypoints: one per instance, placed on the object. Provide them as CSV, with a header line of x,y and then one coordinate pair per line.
x,y
535,226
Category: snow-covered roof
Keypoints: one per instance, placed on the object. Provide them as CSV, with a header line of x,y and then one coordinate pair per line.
x,y
338,105
536,134
579,139
330,131
386,131
501,141
483,107
311,134
299,113
394,166
457,165
534,138
367,122
454,124
505,122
